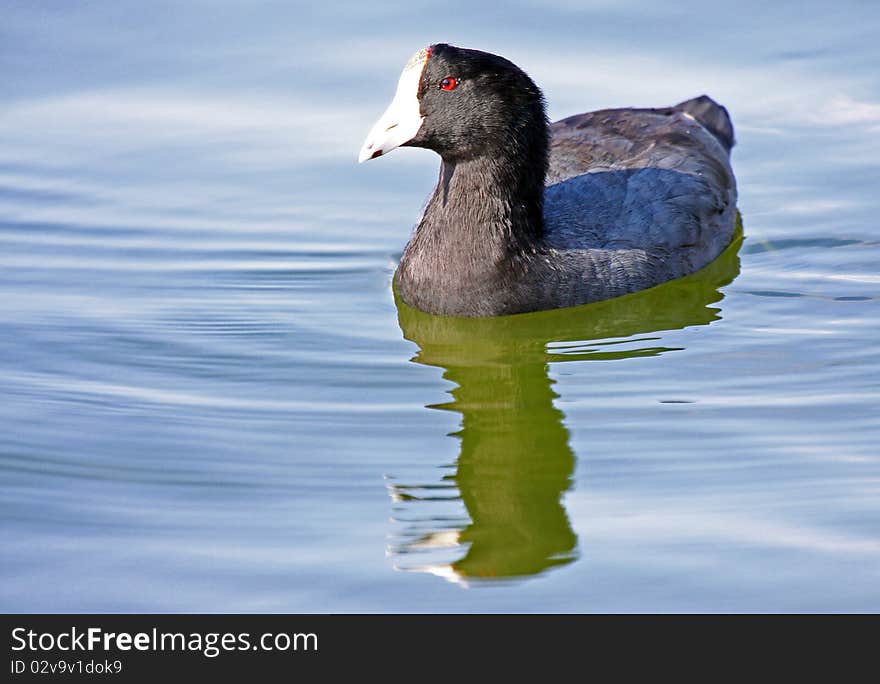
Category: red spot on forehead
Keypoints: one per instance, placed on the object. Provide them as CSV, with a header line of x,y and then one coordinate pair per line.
x,y
428,54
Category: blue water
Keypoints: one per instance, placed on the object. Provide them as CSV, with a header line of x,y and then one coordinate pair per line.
x,y
210,401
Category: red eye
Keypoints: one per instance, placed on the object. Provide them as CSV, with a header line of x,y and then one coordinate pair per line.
x,y
448,83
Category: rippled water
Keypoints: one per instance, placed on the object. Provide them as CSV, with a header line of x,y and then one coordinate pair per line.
x,y
211,401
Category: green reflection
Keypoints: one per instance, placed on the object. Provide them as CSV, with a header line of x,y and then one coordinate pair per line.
x,y
515,462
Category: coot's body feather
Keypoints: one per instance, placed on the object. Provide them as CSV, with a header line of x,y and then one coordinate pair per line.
x,y
634,198
527,216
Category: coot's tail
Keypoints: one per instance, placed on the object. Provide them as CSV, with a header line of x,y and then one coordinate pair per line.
x,y
712,115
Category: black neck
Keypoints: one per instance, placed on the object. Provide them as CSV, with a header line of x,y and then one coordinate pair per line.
x,y
484,218
487,200
487,208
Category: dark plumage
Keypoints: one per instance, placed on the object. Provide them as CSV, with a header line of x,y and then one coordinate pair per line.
x,y
529,216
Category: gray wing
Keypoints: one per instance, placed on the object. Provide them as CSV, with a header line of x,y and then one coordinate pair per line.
x,y
656,181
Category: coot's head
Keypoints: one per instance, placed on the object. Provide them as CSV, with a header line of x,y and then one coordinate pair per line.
x,y
462,104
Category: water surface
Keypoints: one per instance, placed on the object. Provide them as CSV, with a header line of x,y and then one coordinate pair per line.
x,y
212,402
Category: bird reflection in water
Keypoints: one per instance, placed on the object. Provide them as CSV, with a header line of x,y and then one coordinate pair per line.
x,y
515,462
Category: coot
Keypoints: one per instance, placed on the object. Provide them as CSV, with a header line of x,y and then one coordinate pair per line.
x,y
528,215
